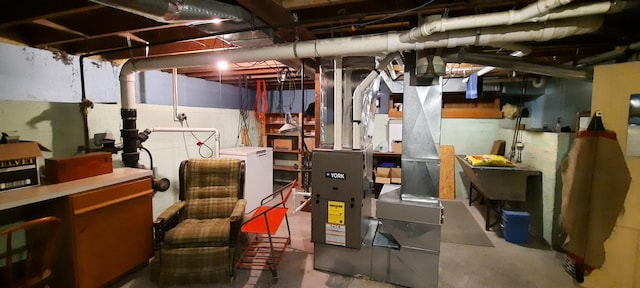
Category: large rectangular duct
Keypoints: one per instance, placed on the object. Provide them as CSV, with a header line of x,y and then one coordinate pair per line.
x,y
420,136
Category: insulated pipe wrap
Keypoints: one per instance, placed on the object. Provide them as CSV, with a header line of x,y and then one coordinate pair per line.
x,y
484,20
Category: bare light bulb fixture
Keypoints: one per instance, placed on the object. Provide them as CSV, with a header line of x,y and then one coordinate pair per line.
x,y
289,124
223,65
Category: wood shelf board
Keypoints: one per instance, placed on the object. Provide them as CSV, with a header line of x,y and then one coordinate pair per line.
x,y
393,113
484,113
285,151
284,168
284,134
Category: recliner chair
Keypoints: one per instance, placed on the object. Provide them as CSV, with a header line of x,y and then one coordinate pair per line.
x,y
196,238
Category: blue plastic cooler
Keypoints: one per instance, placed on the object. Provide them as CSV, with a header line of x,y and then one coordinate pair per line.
x,y
515,226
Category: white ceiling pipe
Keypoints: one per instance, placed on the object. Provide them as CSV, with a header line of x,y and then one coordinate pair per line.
x,y
361,45
585,10
370,45
510,17
174,82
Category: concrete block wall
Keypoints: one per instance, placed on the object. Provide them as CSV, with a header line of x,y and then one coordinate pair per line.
x,y
468,136
543,151
41,92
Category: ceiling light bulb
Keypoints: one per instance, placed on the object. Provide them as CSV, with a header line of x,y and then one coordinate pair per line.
x,y
223,65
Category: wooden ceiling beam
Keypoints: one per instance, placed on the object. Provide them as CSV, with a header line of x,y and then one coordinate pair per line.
x,y
115,33
212,73
306,4
166,49
26,11
273,14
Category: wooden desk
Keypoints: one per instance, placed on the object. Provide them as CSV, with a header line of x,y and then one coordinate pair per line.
x,y
497,185
106,224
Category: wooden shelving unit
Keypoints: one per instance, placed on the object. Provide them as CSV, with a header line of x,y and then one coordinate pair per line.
x,y
287,147
485,107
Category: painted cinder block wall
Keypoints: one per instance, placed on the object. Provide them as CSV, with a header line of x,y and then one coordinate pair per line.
x,y
40,92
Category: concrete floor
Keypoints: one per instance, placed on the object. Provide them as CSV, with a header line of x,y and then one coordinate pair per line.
x,y
505,265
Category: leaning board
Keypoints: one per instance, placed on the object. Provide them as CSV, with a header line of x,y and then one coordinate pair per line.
x,y
447,172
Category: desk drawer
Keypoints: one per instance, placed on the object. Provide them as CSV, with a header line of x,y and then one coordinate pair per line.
x,y
95,199
111,231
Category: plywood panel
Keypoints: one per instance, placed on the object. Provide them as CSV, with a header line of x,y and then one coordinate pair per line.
x,y
612,86
447,170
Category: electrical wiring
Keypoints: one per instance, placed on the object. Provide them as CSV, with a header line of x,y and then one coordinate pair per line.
x,y
200,143
243,116
184,140
150,157
292,84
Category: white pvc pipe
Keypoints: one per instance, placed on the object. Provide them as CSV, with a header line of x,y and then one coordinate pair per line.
x,y
174,78
587,9
362,45
483,20
127,90
337,103
538,82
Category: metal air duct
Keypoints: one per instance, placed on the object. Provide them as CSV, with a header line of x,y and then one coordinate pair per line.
x,y
200,13
174,11
519,65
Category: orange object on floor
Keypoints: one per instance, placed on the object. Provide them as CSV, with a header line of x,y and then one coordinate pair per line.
x,y
267,222
265,250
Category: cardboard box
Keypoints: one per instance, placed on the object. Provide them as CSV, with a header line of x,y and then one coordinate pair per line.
x,y
282,144
310,142
383,175
396,147
63,169
18,166
396,175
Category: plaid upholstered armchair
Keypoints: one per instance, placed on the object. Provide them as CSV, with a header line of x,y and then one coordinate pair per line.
x,y
196,237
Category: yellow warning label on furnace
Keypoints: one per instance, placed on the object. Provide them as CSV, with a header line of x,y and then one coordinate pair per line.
x,y
335,212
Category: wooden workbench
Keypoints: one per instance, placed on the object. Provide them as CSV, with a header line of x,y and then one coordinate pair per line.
x,y
106,224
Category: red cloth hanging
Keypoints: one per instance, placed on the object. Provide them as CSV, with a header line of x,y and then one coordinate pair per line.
x,y
261,106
